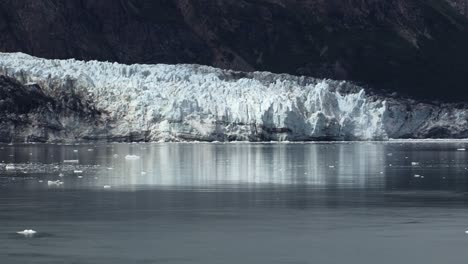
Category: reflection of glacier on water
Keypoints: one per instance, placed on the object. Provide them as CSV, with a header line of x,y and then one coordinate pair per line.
x,y
188,199
340,166
249,164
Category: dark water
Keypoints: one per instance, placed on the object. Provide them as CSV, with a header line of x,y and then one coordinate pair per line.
x,y
235,203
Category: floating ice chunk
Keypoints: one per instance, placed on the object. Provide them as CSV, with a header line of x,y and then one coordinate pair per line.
x,y
10,167
331,166
54,183
414,163
110,168
132,157
90,149
466,232
77,171
107,186
143,173
116,156
40,181
390,154
80,177
75,150
461,149
60,175
27,232
71,161
417,176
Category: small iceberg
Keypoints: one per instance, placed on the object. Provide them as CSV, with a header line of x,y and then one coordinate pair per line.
x,y
107,186
461,149
27,232
77,171
71,161
414,163
132,157
54,183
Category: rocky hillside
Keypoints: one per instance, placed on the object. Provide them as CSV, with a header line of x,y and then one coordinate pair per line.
x,y
417,47
460,5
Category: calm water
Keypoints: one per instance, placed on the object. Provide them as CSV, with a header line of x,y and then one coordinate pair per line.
x,y
235,203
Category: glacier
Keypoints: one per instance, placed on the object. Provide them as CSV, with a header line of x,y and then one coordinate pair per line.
x,y
92,100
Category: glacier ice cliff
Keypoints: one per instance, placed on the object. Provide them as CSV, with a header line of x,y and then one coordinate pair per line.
x,y
70,100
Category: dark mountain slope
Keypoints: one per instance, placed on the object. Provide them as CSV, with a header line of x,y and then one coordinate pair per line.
x,y
418,47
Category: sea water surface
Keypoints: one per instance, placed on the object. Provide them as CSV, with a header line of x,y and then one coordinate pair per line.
x,y
393,202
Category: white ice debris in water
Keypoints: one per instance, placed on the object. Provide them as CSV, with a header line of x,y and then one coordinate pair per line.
x,y
417,176
414,163
27,232
75,150
10,167
461,149
90,149
132,157
60,175
331,166
71,161
107,186
466,232
54,183
77,171
80,177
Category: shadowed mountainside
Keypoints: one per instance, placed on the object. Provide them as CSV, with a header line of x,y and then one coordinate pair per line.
x,y
415,47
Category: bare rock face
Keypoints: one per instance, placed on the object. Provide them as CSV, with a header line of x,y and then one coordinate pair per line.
x,y
411,46
30,114
460,5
